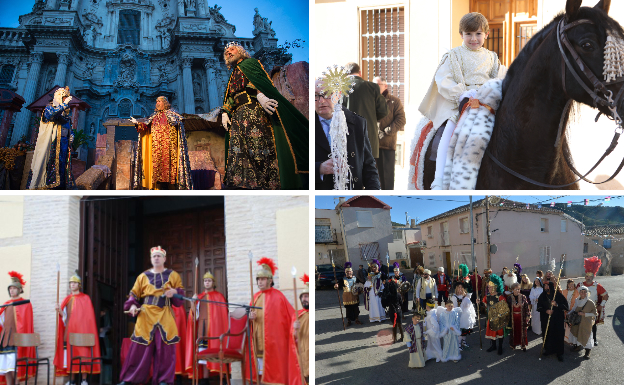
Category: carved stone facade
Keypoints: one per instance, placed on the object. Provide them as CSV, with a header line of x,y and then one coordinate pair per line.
x,y
178,54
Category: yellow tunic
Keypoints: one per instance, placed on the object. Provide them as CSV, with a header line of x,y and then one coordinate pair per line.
x,y
258,327
155,312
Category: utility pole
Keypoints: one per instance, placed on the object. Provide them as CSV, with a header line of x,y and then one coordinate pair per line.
x,y
487,232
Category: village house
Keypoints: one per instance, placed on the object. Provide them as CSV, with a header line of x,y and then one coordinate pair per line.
x,y
607,242
531,236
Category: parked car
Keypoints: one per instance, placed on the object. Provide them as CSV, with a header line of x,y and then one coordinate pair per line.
x,y
325,276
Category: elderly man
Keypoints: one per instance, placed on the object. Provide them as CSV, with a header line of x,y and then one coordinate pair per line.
x,y
389,126
363,169
267,140
161,157
366,101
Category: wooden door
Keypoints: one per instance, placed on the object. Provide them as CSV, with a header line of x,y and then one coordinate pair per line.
x,y
186,236
447,258
104,268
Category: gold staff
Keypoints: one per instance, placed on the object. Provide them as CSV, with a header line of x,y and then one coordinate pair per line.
x,y
338,294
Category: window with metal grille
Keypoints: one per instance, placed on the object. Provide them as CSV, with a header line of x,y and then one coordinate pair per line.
x,y
6,74
125,106
464,226
397,235
129,27
399,255
544,255
524,33
494,42
369,251
382,34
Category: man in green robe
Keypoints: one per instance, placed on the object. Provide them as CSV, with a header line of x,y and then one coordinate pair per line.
x,y
267,137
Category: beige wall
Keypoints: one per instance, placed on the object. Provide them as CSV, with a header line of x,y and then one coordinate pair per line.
x,y
12,209
322,250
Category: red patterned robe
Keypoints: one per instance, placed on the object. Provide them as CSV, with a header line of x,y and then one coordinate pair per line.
x,y
519,321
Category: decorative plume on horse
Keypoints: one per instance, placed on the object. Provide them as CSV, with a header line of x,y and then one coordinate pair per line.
x,y
512,132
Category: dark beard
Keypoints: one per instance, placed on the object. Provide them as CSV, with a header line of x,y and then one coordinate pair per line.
x,y
306,306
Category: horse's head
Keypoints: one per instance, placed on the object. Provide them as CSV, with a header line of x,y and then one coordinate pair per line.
x,y
586,30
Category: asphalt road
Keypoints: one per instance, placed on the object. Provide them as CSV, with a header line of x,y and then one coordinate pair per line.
x,y
364,354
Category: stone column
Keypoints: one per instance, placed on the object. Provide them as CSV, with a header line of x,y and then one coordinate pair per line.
x,y
214,99
21,123
189,98
4,126
61,69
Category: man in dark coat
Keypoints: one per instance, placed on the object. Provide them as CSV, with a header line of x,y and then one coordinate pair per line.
x,y
363,168
389,126
556,330
366,101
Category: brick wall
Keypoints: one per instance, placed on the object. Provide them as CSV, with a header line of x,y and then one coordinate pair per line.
x,y
51,227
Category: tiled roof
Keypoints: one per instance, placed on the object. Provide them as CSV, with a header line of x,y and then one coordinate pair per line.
x,y
348,201
506,204
605,230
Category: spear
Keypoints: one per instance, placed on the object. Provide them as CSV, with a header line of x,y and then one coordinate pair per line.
x,y
476,276
338,294
58,288
250,255
293,271
551,305
196,348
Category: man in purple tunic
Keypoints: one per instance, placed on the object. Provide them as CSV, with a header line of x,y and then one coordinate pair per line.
x,y
155,332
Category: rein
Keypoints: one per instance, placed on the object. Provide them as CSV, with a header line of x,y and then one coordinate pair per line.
x,y
599,88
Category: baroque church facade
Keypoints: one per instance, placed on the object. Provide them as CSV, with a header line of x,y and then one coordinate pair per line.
x,y
119,55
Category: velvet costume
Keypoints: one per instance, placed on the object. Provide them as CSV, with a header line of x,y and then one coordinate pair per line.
x,y
556,331
417,346
51,164
162,153
78,317
272,151
351,302
449,331
404,301
155,333
519,321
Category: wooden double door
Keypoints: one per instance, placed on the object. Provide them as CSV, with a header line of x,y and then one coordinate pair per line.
x,y
115,239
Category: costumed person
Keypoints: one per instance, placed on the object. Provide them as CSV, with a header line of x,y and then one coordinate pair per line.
x,y
449,320
463,278
416,344
444,285
161,159
350,301
536,291
373,288
597,292
484,290
155,333
15,319
497,313
517,269
212,321
399,278
571,295
581,333
51,163
475,284
301,332
418,273
549,277
270,331
520,318
180,319
552,303
468,319
426,288
461,72
432,333
266,143
509,279
525,287
504,273
76,315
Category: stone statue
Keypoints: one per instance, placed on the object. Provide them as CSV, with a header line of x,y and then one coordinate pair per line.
x,y
127,72
89,36
189,4
257,21
262,24
166,38
196,84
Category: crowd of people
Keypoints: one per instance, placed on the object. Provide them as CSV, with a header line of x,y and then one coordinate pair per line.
x,y
164,341
446,309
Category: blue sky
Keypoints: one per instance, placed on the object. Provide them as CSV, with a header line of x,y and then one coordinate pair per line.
x,y
290,18
424,207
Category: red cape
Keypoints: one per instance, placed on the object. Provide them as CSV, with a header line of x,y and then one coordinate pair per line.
x,y
24,316
180,320
278,316
294,352
82,320
217,325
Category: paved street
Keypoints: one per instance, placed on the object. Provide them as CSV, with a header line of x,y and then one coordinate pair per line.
x,y
364,354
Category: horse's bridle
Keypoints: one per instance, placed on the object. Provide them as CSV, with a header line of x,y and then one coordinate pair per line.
x,y
599,88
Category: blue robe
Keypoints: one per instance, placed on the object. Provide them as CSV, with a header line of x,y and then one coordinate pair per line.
x,y
449,331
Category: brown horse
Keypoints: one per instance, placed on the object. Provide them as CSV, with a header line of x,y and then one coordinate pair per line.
x,y
534,99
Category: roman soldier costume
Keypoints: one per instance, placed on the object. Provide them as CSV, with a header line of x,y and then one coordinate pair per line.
x,y
597,292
